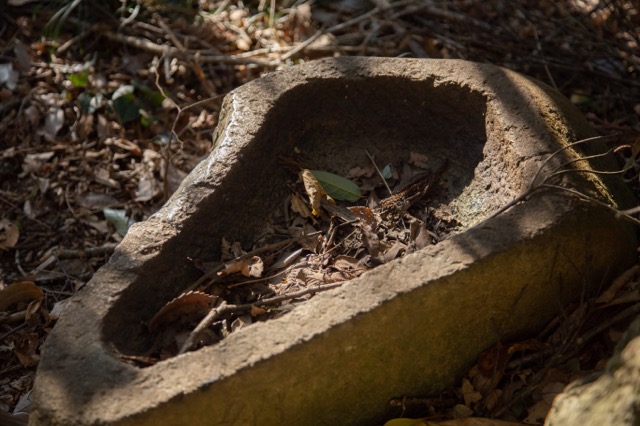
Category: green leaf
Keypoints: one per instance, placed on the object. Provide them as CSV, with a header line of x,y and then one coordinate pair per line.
x,y
337,187
154,97
125,104
119,219
79,79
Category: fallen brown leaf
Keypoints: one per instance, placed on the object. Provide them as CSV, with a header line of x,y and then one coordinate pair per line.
x,y
188,303
9,234
314,190
20,292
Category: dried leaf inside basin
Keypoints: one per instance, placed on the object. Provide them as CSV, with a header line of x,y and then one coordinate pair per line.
x,y
315,191
184,304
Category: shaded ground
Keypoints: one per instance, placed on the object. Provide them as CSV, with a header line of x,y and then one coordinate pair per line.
x,y
103,110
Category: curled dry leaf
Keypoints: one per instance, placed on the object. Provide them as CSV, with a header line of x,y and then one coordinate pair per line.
x,y
299,206
9,234
256,311
241,322
185,304
53,122
365,214
58,308
396,250
314,190
25,349
251,267
349,264
20,292
370,240
419,160
35,162
286,259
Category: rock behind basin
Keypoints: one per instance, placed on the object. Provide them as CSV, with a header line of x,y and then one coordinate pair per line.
x,y
409,327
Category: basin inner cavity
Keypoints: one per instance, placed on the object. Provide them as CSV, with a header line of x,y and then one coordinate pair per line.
x,y
331,123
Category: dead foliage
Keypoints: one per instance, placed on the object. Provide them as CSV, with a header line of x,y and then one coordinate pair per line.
x,y
316,243
518,380
105,108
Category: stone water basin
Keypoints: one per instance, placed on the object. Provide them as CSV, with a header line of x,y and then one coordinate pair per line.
x,y
409,327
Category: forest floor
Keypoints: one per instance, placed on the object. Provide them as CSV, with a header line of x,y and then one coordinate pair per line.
x,y
104,109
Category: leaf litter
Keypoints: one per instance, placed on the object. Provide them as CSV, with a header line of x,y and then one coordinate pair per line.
x,y
57,176
319,242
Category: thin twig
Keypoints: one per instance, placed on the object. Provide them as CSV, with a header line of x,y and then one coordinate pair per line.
x,y
534,186
105,249
257,280
144,44
84,34
619,214
213,272
301,46
224,308
544,63
560,150
379,172
13,330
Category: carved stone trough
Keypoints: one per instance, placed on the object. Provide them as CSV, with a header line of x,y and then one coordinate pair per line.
x,y
409,327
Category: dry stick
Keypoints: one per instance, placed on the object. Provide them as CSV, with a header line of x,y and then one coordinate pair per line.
x,y
631,311
299,47
634,210
174,39
618,214
623,279
224,308
338,27
558,170
174,134
19,210
379,172
13,318
159,49
544,63
369,14
222,7
259,250
197,69
104,249
564,148
344,239
559,357
456,17
168,157
13,330
18,264
533,186
268,277
131,18
84,34
272,14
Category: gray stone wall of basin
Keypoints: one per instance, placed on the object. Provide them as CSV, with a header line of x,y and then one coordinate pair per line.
x,y
409,327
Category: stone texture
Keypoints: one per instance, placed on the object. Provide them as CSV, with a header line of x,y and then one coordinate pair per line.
x,y
410,327
609,398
